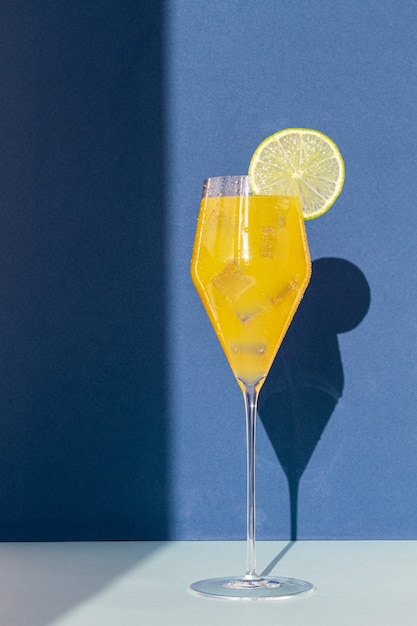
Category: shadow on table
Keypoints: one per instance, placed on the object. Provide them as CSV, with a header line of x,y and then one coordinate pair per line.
x,y
268,569
306,379
42,582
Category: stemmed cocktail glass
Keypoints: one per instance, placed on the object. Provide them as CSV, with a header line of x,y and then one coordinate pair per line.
x,y
250,266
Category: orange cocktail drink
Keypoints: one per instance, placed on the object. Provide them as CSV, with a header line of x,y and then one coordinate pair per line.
x,y
250,266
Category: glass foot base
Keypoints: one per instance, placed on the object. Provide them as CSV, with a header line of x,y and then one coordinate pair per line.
x,y
252,588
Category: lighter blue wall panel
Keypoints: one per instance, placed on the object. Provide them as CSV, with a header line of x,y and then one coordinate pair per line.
x,y
238,71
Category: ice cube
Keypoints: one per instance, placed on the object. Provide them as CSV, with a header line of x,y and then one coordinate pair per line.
x,y
268,242
232,283
272,237
282,220
247,315
280,295
248,348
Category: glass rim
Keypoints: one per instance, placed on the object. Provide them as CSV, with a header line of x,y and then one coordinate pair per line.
x,y
228,177
235,184
239,185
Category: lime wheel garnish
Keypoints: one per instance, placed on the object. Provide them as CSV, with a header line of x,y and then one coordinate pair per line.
x,y
299,161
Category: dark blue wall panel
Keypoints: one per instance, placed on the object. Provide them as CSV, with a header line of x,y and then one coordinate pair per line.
x,y
83,442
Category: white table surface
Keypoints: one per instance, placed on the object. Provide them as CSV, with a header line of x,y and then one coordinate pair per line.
x,y
369,583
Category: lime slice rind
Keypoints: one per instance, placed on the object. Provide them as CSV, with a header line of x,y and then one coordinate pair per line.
x,y
299,161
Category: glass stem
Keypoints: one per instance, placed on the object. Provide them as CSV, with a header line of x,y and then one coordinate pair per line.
x,y
250,394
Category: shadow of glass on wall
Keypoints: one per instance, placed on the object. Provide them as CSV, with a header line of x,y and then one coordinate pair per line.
x,y
306,379
83,436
